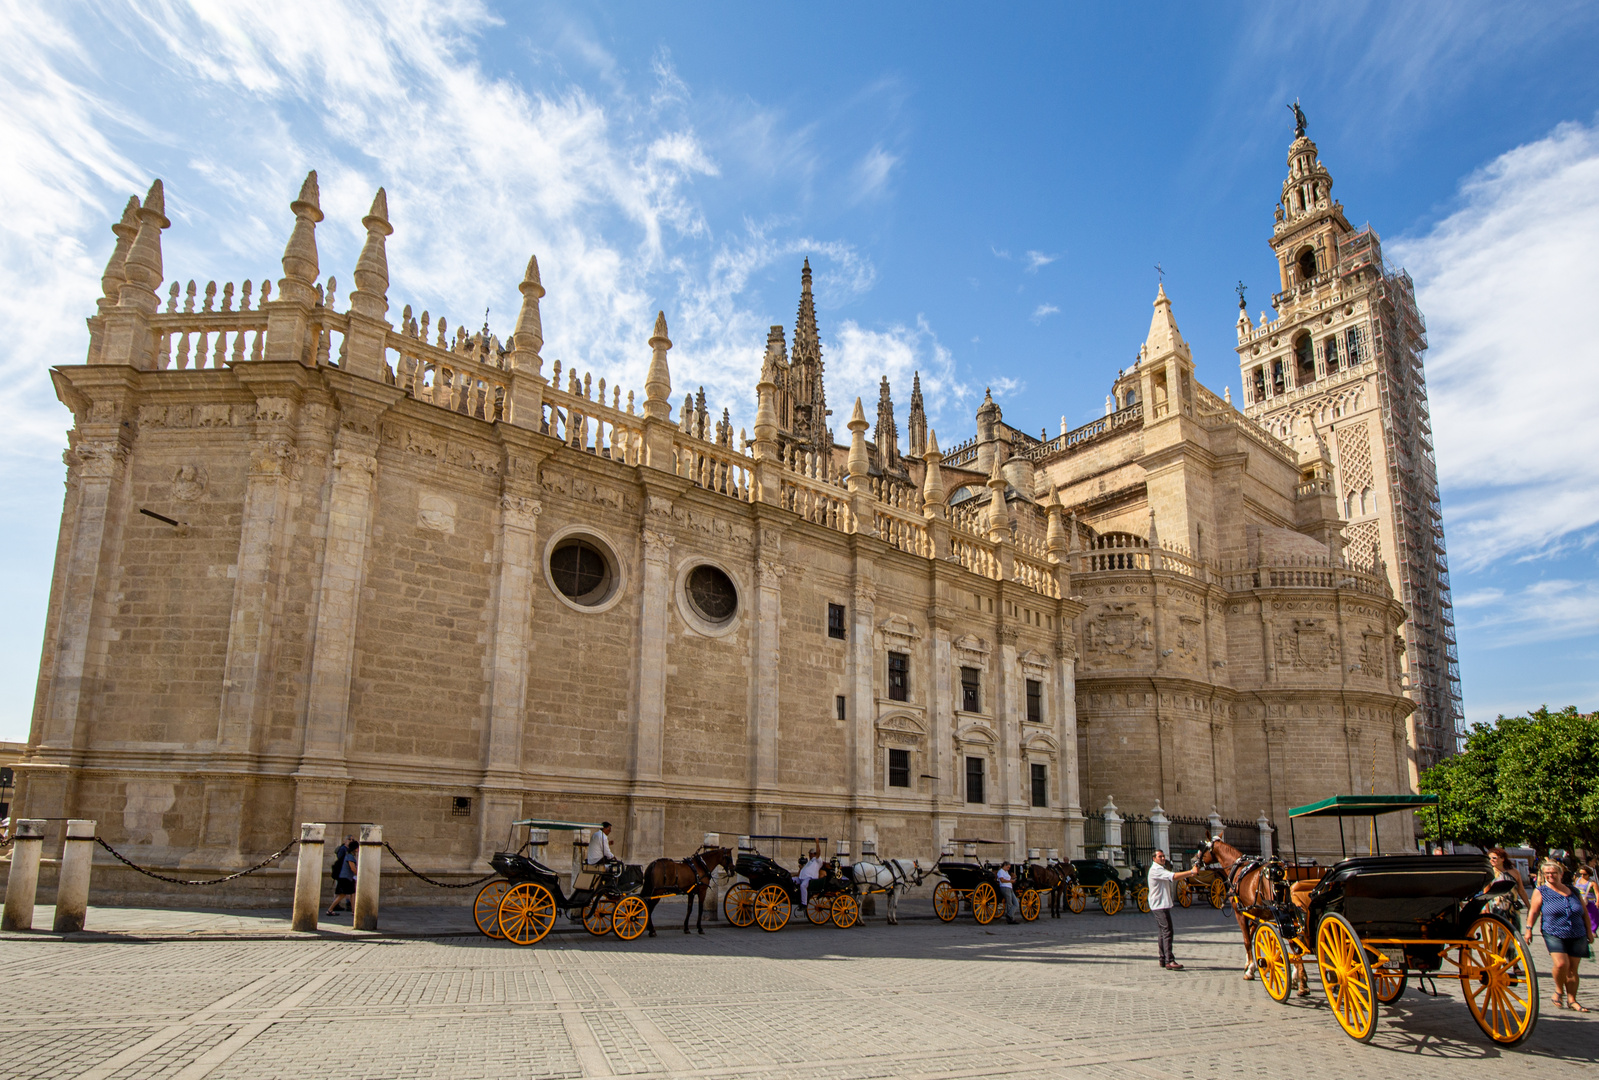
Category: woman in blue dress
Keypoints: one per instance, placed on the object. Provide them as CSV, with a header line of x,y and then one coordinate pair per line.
x,y
1566,932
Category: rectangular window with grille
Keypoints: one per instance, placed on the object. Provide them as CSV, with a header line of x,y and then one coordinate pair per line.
x,y
461,806
835,622
899,768
1035,701
1354,346
899,677
842,704
1040,784
971,690
974,780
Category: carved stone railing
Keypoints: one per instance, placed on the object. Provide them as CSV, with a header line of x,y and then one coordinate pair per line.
x,y
1091,432
1303,572
1037,574
210,332
975,555
466,381
902,529
961,454
820,502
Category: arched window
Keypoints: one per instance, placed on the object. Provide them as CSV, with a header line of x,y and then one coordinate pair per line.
x,y
1307,264
1304,361
1349,504
1368,504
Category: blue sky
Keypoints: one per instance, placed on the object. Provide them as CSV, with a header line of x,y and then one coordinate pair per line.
x,y
984,196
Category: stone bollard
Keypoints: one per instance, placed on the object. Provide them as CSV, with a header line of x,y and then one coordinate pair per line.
x,y
308,877
72,884
366,877
713,892
23,884
1263,823
1160,829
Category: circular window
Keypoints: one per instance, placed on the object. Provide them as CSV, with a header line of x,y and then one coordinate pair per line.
x,y
711,593
582,572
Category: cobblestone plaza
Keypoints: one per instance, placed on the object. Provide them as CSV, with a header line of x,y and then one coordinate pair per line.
x,y
1080,996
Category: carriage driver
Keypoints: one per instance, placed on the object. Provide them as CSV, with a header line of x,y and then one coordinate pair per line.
x,y
600,847
812,870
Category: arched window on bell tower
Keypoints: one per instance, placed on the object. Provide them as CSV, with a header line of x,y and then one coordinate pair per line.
x,y
1307,264
1304,361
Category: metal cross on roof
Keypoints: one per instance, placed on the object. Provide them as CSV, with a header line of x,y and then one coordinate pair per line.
x,y
1162,272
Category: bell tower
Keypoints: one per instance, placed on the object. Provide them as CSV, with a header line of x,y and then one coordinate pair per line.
x,y
1340,362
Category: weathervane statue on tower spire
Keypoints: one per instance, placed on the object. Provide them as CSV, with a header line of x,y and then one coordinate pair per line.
x,y
1299,120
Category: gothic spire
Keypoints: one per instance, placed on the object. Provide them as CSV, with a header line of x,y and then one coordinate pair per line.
x,y
887,433
809,398
916,429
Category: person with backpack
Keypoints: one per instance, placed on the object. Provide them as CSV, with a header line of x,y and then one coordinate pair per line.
x,y
345,857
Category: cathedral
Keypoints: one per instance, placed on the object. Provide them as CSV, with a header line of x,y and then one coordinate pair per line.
x,y
318,565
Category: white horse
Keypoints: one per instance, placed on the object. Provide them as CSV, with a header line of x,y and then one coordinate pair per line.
x,y
892,876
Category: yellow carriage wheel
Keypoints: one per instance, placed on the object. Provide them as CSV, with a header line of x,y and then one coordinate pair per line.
x,y
631,918
1076,900
1391,979
1110,898
1029,904
1141,898
1185,895
1271,961
1346,977
486,908
846,911
1499,982
739,905
819,909
771,908
1218,893
526,913
985,904
597,916
946,902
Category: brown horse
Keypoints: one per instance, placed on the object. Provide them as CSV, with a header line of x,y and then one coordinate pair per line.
x,y
689,877
1053,879
1252,891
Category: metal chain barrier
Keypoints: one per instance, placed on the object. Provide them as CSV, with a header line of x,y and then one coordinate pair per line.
x,y
433,881
263,864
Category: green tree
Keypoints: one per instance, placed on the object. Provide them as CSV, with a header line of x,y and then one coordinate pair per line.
x,y
1532,779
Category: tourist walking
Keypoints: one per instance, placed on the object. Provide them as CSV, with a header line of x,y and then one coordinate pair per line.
x,y
1507,905
1588,890
1162,895
345,857
1007,891
1567,934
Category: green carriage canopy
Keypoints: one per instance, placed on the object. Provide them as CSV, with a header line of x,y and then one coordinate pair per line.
x,y
1362,805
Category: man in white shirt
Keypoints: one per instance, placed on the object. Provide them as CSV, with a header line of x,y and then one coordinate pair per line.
x,y
810,872
1007,892
600,846
1162,895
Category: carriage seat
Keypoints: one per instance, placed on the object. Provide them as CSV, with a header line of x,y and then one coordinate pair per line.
x,y
1299,892
587,877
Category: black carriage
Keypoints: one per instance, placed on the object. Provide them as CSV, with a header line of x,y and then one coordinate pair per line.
x,y
1112,886
974,884
769,892
1370,922
522,904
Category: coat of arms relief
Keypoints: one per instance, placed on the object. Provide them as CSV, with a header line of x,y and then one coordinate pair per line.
x,y
1307,645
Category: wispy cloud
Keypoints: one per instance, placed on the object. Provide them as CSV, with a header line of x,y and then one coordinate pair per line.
x,y
1510,370
860,356
872,174
999,253
1036,259
1044,311
1541,611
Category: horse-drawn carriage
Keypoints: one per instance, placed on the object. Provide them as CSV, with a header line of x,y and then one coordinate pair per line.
x,y
975,885
769,892
1111,885
1369,922
522,904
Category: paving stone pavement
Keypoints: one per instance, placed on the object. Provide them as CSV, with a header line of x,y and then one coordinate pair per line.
x,y
1076,997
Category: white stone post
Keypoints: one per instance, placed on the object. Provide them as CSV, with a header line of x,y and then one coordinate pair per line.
x,y
72,884
1263,823
1112,850
308,877
1216,827
23,884
366,877
1160,829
